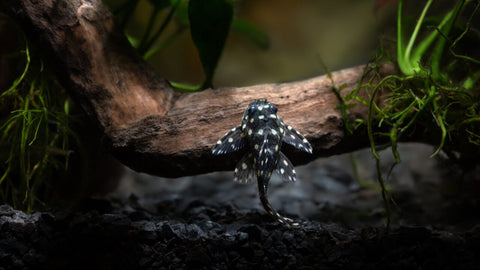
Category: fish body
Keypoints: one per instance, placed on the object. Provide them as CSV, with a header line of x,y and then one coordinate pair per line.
x,y
262,132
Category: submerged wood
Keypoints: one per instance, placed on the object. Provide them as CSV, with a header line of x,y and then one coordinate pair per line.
x,y
153,128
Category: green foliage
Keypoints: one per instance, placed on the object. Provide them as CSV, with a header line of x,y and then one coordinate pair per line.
x,y
343,106
39,147
247,29
439,84
436,98
35,136
209,22
209,26
148,39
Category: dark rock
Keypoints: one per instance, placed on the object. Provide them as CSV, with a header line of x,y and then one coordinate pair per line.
x,y
219,237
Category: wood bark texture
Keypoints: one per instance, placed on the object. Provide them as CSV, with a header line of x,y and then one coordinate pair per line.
x,y
153,128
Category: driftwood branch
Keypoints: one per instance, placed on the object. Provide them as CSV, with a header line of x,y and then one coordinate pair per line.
x,y
150,126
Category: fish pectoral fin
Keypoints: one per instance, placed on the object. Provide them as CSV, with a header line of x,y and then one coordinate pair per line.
x,y
245,170
295,139
232,141
285,169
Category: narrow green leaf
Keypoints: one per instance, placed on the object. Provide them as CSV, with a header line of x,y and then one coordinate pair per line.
x,y
148,42
186,87
419,52
19,79
169,40
160,4
256,35
182,10
439,47
413,37
402,64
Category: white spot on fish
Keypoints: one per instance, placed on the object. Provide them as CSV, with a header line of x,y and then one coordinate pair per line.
x,y
273,116
244,166
292,136
281,130
256,146
251,120
260,132
230,140
219,142
261,116
249,132
289,127
276,147
285,162
260,108
282,171
274,132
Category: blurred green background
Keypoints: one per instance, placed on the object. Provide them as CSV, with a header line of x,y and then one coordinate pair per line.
x,y
301,34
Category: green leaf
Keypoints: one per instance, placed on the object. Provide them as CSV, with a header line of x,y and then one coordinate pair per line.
x,y
257,36
402,63
17,81
133,41
186,87
209,25
182,10
160,4
414,66
174,2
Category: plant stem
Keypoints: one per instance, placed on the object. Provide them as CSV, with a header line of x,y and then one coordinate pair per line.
x,y
161,29
143,47
374,151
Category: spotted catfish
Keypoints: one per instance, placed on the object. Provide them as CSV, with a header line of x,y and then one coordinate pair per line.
x,y
262,132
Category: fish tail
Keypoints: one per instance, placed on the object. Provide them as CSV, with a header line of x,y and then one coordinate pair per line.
x,y
287,222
